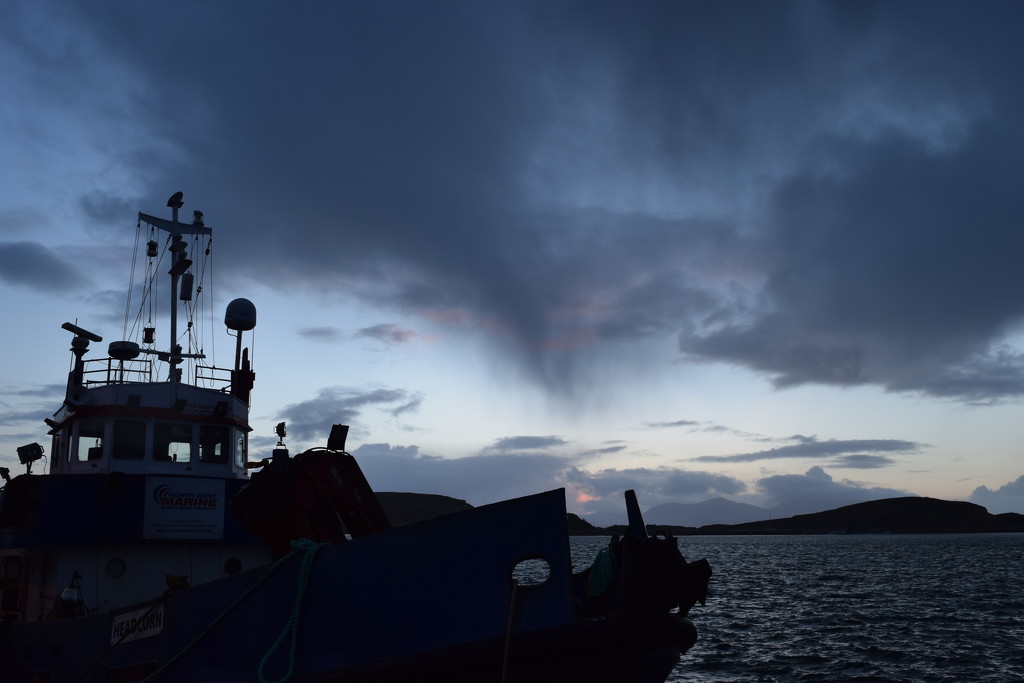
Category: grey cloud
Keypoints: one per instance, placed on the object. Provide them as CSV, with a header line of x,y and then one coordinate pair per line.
x,y
387,332
21,416
526,443
311,420
818,193
652,486
674,423
323,334
384,332
815,490
32,265
811,447
661,483
479,479
606,450
1007,498
901,273
862,461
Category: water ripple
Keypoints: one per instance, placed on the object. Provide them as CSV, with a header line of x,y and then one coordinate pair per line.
x,y
899,608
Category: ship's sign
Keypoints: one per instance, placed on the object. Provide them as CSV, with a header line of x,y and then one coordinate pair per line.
x,y
136,625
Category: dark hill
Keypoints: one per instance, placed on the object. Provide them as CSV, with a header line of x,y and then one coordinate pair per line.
x,y
578,526
406,508
892,515
714,511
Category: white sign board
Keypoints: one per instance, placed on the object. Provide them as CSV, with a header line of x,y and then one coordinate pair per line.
x,y
139,624
184,508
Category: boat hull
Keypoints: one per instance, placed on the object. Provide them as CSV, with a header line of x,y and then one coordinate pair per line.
x,y
430,601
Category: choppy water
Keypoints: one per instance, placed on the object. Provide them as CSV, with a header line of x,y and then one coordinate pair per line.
x,y
904,608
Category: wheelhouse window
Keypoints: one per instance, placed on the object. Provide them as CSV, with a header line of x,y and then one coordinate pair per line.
x,y
89,444
240,449
129,440
60,445
214,443
12,587
172,442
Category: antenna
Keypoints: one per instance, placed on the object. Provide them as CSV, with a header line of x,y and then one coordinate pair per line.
x,y
180,263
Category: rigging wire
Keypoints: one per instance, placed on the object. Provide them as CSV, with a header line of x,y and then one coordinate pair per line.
x,y
131,278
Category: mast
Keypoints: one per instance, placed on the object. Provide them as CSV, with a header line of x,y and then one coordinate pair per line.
x,y
180,263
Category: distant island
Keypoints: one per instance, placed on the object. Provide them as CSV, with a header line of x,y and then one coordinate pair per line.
x,y
909,515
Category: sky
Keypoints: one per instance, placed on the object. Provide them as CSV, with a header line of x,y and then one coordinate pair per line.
x,y
766,251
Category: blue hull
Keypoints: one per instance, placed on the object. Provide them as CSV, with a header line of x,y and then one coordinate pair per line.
x,y
428,601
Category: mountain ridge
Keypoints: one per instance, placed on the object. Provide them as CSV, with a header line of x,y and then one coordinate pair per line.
x,y
908,514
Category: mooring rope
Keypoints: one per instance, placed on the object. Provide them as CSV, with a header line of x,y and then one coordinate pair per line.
x,y
291,627
508,630
298,547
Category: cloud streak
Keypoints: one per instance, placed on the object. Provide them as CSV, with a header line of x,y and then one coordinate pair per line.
x,y
846,451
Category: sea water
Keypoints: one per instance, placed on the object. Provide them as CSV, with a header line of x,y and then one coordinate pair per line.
x,y
945,607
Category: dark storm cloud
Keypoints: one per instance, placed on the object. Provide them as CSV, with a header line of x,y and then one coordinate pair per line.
x,y
810,447
821,192
311,420
30,264
901,274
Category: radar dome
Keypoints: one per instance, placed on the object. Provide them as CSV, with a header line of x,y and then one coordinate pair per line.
x,y
240,315
123,350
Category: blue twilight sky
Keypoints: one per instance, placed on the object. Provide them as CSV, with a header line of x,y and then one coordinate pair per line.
x,y
762,250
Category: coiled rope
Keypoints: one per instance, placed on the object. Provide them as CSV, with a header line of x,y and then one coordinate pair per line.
x,y
300,546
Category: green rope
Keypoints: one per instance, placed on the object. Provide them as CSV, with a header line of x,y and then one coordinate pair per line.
x,y
298,547
291,627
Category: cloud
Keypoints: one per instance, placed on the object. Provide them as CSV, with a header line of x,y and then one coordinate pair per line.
x,y
21,416
862,461
525,443
1007,498
816,490
606,450
798,190
599,493
674,423
30,264
479,479
387,332
324,334
862,289
311,420
846,451
496,475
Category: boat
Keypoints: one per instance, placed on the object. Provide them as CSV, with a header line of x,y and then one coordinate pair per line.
x,y
154,546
